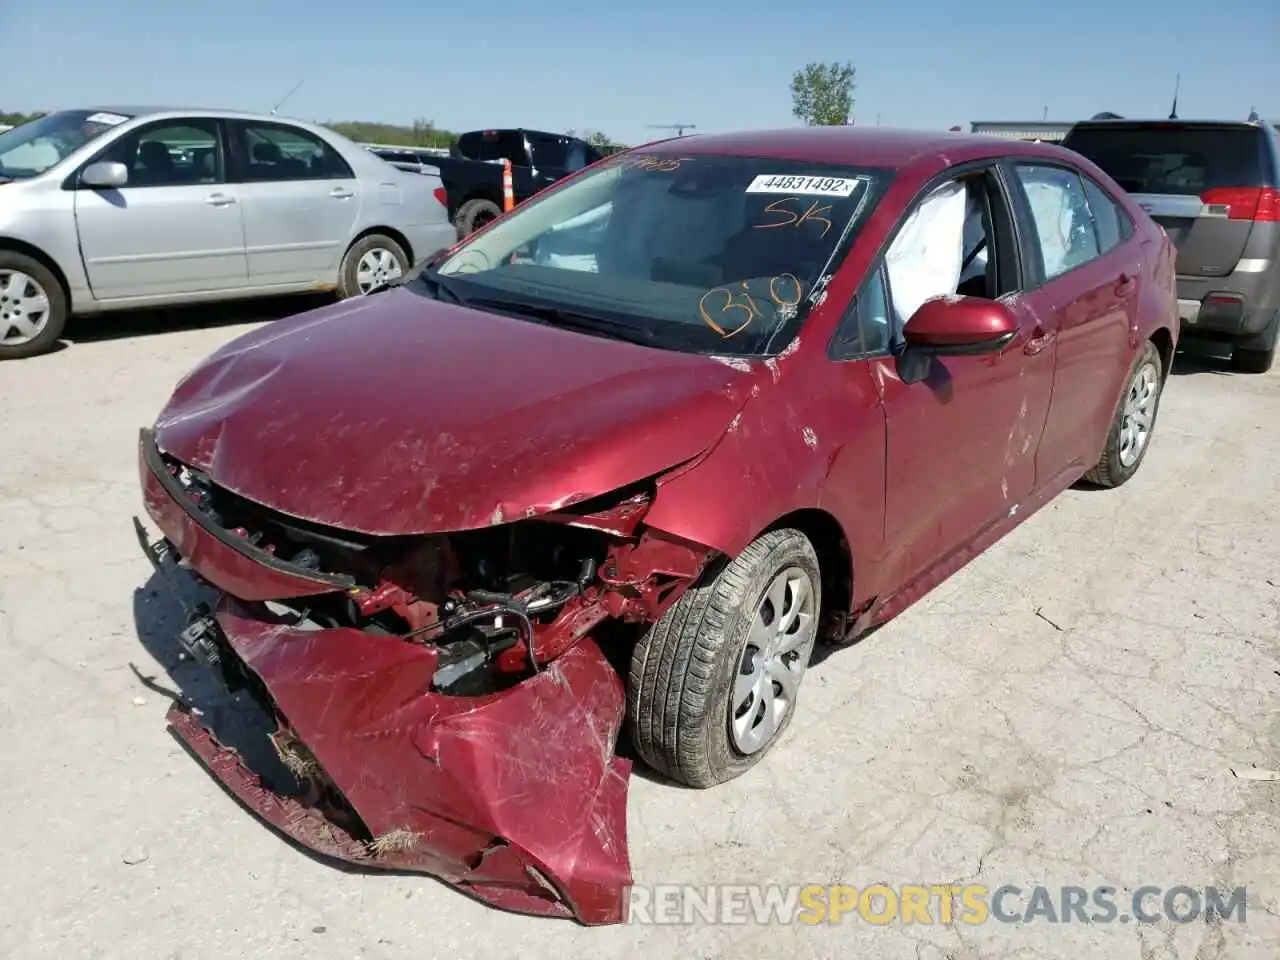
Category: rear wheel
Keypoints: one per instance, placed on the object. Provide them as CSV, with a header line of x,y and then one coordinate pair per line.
x,y
33,307
475,214
370,263
1130,432
713,684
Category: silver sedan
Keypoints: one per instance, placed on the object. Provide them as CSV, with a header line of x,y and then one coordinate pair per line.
x,y
106,209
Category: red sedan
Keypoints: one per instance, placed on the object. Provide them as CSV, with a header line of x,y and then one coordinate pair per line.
x,y
621,459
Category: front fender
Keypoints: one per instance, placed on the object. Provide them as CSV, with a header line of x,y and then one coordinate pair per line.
x,y
786,450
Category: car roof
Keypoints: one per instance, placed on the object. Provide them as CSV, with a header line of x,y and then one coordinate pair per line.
x,y
862,146
140,112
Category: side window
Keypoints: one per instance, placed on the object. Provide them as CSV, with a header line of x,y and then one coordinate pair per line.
x,y
511,147
577,157
171,153
275,152
1113,223
873,315
469,145
1064,227
864,329
955,241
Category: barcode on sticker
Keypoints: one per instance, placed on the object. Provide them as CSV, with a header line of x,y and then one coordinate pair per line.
x,y
803,186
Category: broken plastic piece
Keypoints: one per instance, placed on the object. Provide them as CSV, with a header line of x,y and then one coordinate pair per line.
x,y
515,797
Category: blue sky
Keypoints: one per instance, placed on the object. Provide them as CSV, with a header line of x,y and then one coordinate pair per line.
x,y
618,67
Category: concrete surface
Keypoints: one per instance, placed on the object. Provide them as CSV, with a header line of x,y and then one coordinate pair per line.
x,y
973,739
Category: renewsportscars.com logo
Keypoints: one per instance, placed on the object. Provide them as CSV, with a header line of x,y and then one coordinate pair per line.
x,y
938,903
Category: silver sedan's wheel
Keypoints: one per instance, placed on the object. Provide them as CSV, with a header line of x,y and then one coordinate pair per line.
x,y
714,683
1139,413
371,262
24,308
33,306
773,660
377,267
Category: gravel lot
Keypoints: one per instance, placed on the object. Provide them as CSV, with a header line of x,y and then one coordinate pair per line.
x,y
1065,711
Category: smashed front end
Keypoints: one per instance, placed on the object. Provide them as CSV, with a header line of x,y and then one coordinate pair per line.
x,y
440,701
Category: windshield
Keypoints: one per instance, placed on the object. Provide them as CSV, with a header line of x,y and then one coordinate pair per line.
x,y
703,253
31,149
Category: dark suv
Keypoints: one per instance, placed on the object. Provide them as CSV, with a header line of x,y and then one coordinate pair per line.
x,y
1215,188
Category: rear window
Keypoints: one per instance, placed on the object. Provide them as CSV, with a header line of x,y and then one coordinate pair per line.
x,y
1173,159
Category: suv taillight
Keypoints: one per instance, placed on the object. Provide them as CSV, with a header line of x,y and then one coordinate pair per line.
x,y
1246,203
439,194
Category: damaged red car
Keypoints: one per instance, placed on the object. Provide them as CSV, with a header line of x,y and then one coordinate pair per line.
x,y
620,460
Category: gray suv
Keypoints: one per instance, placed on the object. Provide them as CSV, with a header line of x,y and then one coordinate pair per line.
x,y
1215,188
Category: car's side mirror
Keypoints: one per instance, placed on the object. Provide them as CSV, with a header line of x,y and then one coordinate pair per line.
x,y
960,325
954,326
105,174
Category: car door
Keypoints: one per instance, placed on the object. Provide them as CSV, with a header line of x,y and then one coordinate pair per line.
x,y
1085,261
960,444
175,227
301,200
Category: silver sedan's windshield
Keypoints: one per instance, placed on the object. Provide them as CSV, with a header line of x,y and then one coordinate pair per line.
x,y
34,147
700,252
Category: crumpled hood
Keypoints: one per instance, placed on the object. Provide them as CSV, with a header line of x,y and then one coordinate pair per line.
x,y
397,414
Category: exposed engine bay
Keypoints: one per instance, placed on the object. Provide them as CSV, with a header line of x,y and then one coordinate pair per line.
x,y
440,702
495,603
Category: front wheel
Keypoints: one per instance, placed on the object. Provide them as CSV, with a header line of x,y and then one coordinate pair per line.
x,y
1130,432
713,684
370,263
33,307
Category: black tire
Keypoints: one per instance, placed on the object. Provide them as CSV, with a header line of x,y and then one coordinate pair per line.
x,y
1253,361
54,320
348,281
1112,470
684,668
474,214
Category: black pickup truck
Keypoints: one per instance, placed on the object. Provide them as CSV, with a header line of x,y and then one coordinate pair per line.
x,y
472,173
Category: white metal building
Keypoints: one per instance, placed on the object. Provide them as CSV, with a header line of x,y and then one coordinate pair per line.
x,y
1051,131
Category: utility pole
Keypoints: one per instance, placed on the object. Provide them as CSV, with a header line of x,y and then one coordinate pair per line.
x,y
1177,83
679,128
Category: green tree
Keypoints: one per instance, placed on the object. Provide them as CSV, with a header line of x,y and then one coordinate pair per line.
x,y
822,94
17,119
422,133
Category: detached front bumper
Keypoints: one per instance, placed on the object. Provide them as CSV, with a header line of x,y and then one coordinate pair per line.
x,y
515,797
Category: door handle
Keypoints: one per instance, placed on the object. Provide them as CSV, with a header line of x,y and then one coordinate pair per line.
x,y
1124,285
1039,340
340,193
219,200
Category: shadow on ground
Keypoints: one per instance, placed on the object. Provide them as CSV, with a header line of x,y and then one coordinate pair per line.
x,y
1198,356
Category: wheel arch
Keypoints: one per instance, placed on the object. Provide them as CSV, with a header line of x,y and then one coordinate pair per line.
x,y
835,562
1162,337
35,253
391,233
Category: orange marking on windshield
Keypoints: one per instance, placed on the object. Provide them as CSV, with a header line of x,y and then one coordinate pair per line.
x,y
813,214
654,164
710,307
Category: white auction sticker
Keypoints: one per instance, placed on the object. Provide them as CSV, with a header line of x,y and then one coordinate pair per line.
x,y
803,186
111,119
